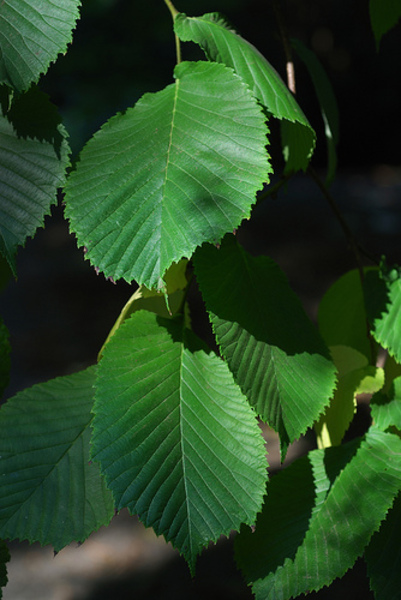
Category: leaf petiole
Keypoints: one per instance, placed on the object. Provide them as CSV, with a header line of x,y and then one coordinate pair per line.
x,y
174,12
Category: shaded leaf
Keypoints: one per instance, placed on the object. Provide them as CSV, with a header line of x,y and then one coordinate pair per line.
x,y
295,494
342,316
384,14
327,103
32,169
383,556
32,115
177,442
180,168
383,305
49,492
325,527
32,35
273,350
386,407
221,44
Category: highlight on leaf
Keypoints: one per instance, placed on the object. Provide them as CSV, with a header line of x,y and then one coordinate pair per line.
x,y
274,351
176,440
222,44
180,168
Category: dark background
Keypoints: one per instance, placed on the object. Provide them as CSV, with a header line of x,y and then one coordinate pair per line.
x,y
59,311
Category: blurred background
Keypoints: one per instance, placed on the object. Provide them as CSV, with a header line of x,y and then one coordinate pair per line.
x,y
59,311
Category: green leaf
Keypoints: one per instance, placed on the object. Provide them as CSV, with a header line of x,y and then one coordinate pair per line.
x,y
32,35
164,304
384,14
272,348
4,357
383,306
342,316
383,556
33,160
177,442
50,493
222,44
4,558
386,407
319,517
180,168
355,376
327,102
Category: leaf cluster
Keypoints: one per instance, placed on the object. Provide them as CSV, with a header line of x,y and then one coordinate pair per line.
x,y
162,424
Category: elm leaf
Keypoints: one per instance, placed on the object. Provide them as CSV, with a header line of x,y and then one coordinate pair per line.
x,y
176,440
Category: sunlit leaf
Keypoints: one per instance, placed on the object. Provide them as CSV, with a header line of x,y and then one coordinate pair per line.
x,y
355,376
221,44
272,348
180,168
177,442
163,303
319,516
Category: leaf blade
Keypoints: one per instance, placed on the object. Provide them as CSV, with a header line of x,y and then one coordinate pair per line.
x,y
181,167
273,350
222,44
49,492
350,496
32,36
34,155
162,435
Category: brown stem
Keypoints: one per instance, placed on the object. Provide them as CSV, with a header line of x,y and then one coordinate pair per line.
x,y
286,46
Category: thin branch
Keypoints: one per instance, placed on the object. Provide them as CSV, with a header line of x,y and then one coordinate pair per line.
x,y
353,243
286,46
274,189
